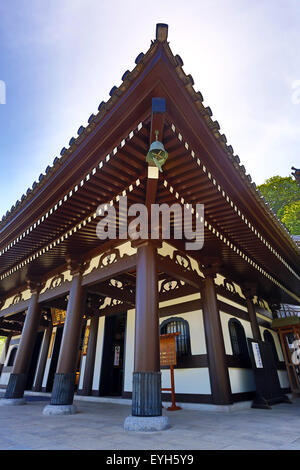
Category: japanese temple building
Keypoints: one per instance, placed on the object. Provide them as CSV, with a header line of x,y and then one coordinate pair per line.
x,y
83,316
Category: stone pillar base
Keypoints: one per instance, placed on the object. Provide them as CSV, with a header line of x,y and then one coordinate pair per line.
x,y
146,394
51,410
63,389
16,386
146,424
12,401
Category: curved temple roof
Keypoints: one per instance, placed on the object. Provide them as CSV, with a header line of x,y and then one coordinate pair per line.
x,y
197,149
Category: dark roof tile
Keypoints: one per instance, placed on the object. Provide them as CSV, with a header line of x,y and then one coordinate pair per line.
x,y
80,130
124,76
139,57
101,105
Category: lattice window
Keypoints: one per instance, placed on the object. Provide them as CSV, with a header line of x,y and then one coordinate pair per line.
x,y
183,343
238,338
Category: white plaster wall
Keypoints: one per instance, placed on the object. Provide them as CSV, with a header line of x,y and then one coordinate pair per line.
x,y
5,375
230,302
39,358
48,362
225,317
283,378
81,375
241,380
4,378
179,300
98,357
197,335
12,346
82,363
195,380
188,380
129,351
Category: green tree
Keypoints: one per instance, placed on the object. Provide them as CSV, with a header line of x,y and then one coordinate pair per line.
x,y
282,193
291,217
2,341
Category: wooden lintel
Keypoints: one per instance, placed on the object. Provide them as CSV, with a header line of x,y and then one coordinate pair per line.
x,y
114,309
168,266
113,293
6,332
183,307
52,294
123,265
16,308
98,275
10,325
181,292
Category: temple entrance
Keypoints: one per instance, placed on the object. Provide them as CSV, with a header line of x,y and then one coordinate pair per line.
x,y
34,360
111,382
54,358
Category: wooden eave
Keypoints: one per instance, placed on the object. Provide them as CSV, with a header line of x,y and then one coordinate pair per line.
x,y
158,73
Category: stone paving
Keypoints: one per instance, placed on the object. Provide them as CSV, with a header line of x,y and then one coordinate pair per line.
x,y
100,426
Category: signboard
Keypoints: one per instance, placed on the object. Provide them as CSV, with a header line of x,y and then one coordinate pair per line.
x,y
257,356
86,340
51,344
168,358
268,389
58,316
117,355
168,349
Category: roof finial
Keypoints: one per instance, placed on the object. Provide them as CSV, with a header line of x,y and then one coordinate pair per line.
x,y
161,32
296,174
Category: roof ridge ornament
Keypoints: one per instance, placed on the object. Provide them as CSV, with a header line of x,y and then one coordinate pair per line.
x,y
161,32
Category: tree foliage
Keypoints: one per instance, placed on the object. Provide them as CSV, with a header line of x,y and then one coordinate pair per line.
x,y
291,217
2,341
283,195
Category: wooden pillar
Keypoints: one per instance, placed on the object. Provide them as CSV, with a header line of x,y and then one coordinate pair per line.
x,y
43,359
18,377
249,292
90,357
64,380
146,394
218,370
4,351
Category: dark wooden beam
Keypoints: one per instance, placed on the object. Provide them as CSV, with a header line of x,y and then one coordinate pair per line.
x,y
113,293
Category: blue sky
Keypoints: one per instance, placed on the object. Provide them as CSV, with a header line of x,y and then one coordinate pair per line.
x,y
60,58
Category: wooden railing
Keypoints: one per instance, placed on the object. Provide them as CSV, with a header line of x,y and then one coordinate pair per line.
x,y
286,311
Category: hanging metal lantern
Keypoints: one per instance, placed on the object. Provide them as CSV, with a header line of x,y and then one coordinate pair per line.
x,y
157,153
